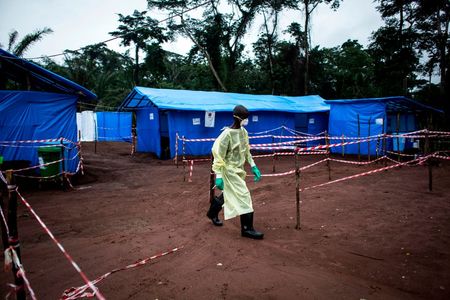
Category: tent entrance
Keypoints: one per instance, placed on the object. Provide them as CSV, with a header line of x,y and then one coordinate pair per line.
x,y
165,139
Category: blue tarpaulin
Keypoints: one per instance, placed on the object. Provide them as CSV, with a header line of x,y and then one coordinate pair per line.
x,y
162,113
217,101
376,116
37,116
114,126
344,121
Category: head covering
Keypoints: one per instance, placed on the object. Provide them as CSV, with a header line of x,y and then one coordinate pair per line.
x,y
240,112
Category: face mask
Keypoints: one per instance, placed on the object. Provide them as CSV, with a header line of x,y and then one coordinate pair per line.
x,y
244,122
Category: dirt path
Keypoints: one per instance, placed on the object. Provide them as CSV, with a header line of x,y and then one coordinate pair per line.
x,y
377,237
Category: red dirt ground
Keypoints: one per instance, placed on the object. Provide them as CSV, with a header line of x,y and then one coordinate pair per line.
x,y
383,236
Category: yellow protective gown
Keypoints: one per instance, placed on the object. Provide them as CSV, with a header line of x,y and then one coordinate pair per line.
x,y
230,150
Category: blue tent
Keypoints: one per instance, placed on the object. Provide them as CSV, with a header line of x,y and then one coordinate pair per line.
x,y
162,113
44,107
373,116
114,126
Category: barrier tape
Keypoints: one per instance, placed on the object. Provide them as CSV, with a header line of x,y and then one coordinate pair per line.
x,y
442,157
440,132
357,162
313,164
365,173
401,154
3,178
277,174
66,254
80,292
4,220
20,270
267,131
191,169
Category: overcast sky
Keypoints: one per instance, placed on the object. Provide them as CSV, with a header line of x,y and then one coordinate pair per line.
x,y
77,23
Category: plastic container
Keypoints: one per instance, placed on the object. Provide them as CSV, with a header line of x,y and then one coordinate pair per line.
x,y
48,155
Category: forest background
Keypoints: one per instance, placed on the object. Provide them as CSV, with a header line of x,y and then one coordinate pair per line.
x,y
408,55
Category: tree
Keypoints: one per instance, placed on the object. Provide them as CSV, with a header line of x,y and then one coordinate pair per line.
x,y
308,7
19,48
139,29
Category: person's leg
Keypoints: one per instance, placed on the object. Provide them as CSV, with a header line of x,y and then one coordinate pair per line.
x,y
214,210
247,229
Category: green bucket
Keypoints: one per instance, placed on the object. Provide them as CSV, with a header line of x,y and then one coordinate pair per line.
x,y
48,155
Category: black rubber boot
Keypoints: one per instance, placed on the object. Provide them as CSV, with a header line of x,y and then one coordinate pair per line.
x,y
214,209
247,229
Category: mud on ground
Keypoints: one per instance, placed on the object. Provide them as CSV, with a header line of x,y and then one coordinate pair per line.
x,y
383,236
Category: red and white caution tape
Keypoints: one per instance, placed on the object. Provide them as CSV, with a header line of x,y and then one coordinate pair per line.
x,y
80,292
4,220
191,169
418,160
277,174
11,255
66,254
357,162
441,156
267,131
313,164
401,154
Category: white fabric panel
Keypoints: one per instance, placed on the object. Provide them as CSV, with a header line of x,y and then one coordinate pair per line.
x,y
86,123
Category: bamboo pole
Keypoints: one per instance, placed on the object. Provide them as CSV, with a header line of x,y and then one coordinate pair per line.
x,y
63,164
359,135
176,148
398,139
384,141
429,162
368,142
184,158
211,182
343,146
297,190
327,141
273,156
13,239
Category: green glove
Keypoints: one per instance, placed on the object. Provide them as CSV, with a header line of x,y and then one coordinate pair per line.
x,y
257,173
219,183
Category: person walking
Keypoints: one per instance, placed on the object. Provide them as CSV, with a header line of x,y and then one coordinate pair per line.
x,y
230,151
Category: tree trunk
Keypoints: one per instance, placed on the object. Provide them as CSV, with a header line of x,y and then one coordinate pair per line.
x,y
136,67
306,76
208,57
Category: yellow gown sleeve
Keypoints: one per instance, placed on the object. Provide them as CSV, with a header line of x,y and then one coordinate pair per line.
x,y
248,155
219,151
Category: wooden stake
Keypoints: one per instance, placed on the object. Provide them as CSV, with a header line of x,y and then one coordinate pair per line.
x,y
13,239
211,182
327,141
297,190
273,156
176,149
368,142
184,158
429,162
398,139
359,144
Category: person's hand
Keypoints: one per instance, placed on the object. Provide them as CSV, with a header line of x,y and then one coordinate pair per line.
x,y
257,173
219,183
